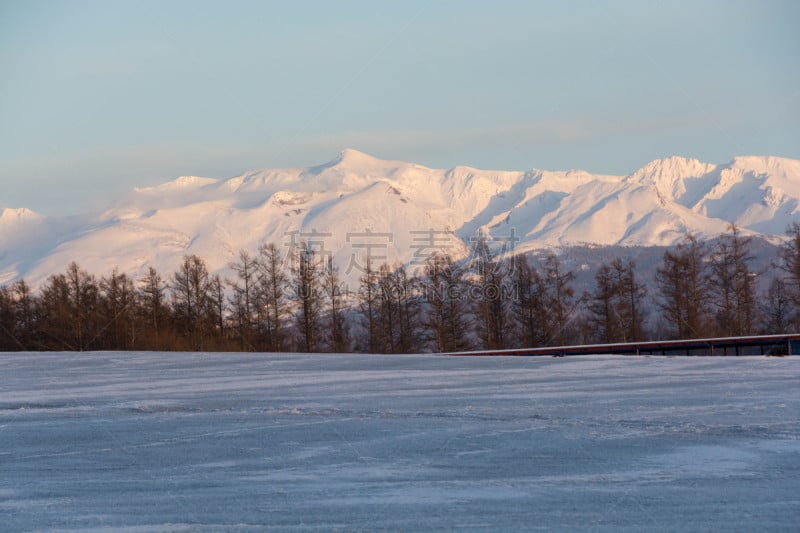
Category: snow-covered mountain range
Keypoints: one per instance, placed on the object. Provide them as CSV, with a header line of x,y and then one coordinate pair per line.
x,y
402,212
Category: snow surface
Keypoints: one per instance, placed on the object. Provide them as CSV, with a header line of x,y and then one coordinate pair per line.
x,y
355,193
251,442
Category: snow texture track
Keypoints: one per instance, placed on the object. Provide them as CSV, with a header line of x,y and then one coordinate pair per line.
x,y
238,442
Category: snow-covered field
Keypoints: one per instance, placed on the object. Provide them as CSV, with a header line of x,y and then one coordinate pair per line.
x,y
210,442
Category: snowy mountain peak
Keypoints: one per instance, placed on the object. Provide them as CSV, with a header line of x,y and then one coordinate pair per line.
x,y
181,183
671,169
11,214
349,156
780,166
668,175
355,161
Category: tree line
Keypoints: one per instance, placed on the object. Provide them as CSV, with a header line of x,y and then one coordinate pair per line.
x,y
702,290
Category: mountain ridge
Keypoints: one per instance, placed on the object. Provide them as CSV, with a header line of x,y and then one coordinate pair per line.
x,y
345,202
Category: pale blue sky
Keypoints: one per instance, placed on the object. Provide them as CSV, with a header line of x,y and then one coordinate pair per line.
x,y
99,96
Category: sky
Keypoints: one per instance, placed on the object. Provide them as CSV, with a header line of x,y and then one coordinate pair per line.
x,y
97,97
